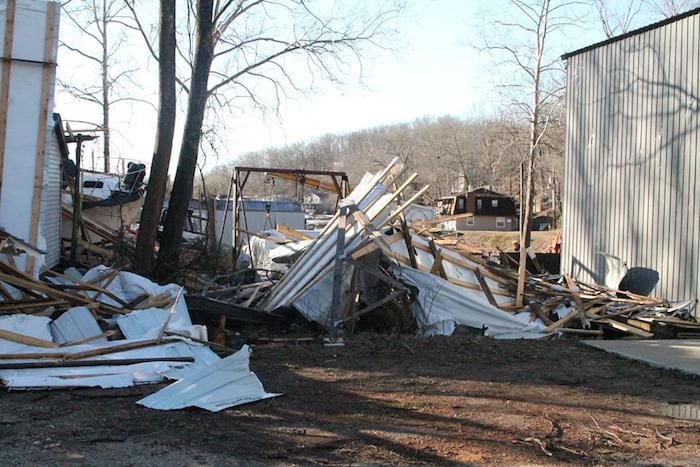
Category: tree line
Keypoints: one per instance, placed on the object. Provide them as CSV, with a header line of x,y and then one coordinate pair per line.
x,y
449,153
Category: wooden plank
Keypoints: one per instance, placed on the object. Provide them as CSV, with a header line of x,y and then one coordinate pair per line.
x,y
56,294
21,306
587,332
307,181
26,340
485,287
292,233
626,328
561,322
648,327
83,363
437,260
5,77
98,250
577,299
409,244
437,268
253,296
118,348
42,131
418,225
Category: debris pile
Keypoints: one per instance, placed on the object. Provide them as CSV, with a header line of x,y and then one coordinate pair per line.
x,y
110,328
368,256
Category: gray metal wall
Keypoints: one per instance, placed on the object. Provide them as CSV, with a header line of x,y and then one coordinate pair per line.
x,y
50,207
633,157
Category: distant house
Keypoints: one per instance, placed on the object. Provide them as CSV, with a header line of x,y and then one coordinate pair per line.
x,y
490,210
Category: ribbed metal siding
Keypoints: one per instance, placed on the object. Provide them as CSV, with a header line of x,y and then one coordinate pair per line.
x,y
50,208
632,170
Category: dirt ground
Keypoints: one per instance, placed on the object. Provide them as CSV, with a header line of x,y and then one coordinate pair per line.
x,y
381,399
542,242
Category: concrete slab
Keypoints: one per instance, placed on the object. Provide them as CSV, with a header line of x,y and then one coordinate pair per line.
x,y
675,354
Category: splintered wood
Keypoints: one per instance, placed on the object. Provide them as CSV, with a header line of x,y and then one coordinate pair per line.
x,y
37,296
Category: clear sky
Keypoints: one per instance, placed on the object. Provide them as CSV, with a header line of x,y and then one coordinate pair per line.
x,y
435,68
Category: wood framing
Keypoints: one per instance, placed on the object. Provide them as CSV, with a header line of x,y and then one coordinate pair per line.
x,y
5,78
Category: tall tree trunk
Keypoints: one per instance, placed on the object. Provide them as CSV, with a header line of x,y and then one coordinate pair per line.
x,y
158,178
105,86
535,135
189,150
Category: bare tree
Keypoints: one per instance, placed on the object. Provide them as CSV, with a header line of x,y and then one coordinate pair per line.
x,y
241,46
618,17
101,35
525,50
157,181
668,8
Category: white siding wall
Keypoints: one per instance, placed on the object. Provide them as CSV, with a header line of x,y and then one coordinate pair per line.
x,y
29,118
633,157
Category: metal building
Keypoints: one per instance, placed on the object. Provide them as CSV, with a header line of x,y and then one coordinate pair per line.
x,y
632,170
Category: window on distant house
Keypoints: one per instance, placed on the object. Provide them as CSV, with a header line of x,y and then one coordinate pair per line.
x,y
500,222
479,204
494,203
470,221
460,205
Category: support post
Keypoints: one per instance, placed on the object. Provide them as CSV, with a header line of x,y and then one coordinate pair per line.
x,y
335,311
234,221
77,201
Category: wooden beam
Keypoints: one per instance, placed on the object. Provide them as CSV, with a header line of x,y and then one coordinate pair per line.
x,y
575,292
292,233
437,260
5,79
26,340
439,220
626,328
82,363
485,287
306,181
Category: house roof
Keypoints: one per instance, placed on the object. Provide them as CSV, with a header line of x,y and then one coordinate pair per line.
x,y
635,32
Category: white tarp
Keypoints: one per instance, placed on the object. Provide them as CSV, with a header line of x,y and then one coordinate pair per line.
x,y
226,383
441,305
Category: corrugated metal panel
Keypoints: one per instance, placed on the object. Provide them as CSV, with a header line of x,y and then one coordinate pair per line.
x,y
50,208
218,386
632,170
